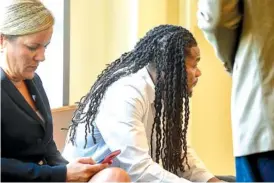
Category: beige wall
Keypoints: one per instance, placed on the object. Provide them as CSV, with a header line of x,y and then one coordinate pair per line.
x,y
155,12
102,30
150,14
88,44
122,22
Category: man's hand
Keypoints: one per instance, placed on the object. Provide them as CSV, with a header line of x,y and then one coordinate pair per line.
x,y
214,179
83,169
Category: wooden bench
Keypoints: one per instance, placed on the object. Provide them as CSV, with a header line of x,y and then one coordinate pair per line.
x,y
61,120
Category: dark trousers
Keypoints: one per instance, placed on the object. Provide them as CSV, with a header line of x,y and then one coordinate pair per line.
x,y
226,178
255,168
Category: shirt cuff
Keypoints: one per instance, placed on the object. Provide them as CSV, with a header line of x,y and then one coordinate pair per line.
x,y
203,177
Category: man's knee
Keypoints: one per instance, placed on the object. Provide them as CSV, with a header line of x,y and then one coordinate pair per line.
x,y
111,175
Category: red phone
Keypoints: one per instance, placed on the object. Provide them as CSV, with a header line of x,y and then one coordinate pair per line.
x,y
110,157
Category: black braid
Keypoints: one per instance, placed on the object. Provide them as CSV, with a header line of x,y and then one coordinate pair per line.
x,y
165,47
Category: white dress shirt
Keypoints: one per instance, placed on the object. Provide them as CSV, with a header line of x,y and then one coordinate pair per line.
x,y
124,122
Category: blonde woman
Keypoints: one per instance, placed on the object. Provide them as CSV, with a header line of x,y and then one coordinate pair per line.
x,y
28,151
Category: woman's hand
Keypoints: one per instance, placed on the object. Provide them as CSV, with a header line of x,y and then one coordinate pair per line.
x,y
83,169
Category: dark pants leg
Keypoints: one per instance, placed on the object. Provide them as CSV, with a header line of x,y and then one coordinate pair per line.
x,y
255,168
226,178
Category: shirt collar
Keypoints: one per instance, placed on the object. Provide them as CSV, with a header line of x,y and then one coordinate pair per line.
x,y
151,87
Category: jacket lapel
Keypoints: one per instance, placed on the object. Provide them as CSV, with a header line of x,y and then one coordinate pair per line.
x,y
38,99
17,97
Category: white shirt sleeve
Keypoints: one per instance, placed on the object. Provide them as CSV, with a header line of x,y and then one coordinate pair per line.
x,y
213,14
219,20
120,124
198,171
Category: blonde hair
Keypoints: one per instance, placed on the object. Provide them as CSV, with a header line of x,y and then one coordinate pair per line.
x,y
22,17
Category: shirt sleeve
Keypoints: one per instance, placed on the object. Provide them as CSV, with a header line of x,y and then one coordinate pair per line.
x,y
220,21
120,124
198,171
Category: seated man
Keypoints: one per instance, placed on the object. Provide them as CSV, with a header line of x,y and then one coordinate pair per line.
x,y
140,105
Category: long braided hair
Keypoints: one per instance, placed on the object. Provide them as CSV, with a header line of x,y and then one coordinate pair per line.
x,y
166,47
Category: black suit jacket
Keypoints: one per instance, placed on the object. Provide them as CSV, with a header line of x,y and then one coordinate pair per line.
x,y
26,139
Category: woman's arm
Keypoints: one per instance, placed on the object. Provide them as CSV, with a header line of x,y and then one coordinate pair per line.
x,y
18,171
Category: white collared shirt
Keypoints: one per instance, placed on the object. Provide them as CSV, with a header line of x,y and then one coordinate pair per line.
x,y
124,122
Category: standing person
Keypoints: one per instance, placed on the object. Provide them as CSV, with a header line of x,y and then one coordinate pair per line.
x,y
242,35
28,151
140,105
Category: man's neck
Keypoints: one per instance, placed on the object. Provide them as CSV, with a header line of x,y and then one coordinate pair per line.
x,y
152,73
